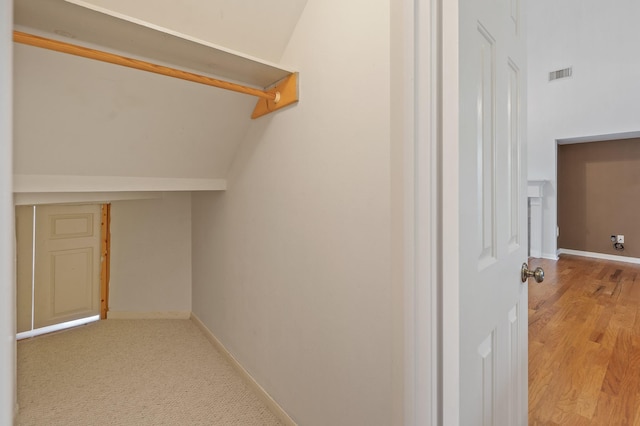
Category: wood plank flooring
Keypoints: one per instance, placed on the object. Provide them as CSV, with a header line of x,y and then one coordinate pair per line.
x,y
584,343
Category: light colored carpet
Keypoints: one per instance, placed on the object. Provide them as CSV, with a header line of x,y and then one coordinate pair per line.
x,y
132,372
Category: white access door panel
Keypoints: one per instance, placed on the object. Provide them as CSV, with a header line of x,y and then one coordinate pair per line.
x,y
493,222
67,266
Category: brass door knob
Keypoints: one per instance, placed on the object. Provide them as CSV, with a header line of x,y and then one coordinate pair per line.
x,y
537,274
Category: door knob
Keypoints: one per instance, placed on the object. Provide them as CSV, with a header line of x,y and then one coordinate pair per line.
x,y
537,274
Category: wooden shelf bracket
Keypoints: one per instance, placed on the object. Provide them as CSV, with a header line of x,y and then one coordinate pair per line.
x,y
283,93
286,93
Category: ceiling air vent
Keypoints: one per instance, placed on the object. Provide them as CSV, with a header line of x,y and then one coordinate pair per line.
x,y
558,74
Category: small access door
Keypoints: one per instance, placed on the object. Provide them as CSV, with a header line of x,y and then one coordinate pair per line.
x,y
59,264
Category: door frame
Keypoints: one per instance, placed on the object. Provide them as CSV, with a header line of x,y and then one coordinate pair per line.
x,y
449,185
8,385
429,189
105,257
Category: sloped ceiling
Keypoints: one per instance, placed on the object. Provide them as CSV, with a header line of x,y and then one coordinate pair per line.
x,y
99,119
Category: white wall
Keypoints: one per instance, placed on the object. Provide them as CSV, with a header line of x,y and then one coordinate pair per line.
x,y
151,255
76,116
600,41
291,265
7,240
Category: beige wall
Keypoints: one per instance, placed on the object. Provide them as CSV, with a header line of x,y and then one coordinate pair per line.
x,y
291,265
151,255
75,116
598,187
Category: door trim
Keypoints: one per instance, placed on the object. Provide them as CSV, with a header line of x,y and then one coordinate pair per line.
x,y
105,257
449,185
422,177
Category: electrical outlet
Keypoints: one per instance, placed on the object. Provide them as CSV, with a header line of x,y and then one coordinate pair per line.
x,y
621,239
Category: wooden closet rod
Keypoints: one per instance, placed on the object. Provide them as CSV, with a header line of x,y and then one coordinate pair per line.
x,y
85,52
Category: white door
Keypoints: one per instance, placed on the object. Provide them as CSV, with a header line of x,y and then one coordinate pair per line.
x,y
485,122
67,266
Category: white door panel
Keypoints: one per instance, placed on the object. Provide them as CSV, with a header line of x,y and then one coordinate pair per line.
x,y
492,209
67,273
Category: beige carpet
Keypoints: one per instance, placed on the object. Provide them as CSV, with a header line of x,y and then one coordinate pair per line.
x,y
132,372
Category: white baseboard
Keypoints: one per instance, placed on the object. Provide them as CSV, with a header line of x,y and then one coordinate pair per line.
x,y
148,315
543,256
603,256
255,386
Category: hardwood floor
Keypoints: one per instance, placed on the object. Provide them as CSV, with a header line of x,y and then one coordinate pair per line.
x,y
584,343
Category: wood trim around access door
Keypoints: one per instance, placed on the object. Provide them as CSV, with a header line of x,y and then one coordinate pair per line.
x,y
105,257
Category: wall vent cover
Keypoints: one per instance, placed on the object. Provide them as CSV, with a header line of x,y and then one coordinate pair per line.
x,y
558,74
